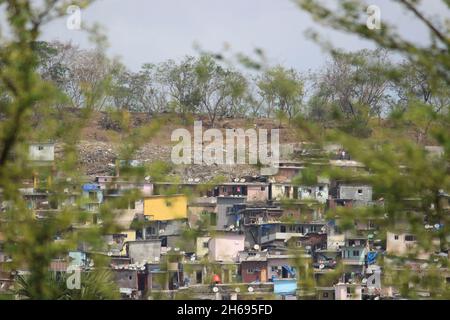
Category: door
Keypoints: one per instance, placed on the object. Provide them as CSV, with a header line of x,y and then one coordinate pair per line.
x,y
263,275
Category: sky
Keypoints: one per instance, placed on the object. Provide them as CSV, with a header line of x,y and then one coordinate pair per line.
x,y
151,31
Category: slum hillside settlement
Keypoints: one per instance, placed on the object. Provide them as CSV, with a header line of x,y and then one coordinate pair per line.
x,y
247,236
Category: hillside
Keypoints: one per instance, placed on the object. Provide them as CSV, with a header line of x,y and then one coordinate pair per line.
x,y
101,140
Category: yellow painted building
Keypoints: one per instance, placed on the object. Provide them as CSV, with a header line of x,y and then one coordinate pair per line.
x,y
166,207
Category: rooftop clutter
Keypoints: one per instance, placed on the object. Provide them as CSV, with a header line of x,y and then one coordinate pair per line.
x,y
258,234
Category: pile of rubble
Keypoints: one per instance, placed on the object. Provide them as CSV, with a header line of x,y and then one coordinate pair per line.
x,y
97,158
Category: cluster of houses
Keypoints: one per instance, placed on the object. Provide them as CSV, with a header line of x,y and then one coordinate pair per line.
x,y
254,237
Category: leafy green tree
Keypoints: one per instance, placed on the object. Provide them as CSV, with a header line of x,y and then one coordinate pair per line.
x,y
220,89
411,182
351,90
28,115
94,285
282,91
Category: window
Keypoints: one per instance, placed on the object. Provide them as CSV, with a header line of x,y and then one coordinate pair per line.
x,y
355,253
396,237
263,188
410,238
283,229
250,271
325,294
360,192
205,245
41,148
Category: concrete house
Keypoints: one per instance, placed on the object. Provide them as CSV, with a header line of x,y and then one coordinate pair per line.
x,y
280,190
168,231
279,265
346,291
162,207
225,246
354,250
319,193
281,233
42,152
358,193
403,243
144,251
201,209
117,185
225,217
257,192
93,196
253,266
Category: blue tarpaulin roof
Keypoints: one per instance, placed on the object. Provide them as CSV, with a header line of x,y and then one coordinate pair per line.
x,y
90,187
371,257
285,286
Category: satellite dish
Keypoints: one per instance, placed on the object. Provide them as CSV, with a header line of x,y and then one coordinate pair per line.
x,y
147,178
237,290
242,180
190,180
161,231
250,289
197,179
256,247
321,266
215,289
236,180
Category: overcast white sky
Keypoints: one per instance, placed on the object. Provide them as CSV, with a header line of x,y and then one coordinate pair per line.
x,y
141,31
